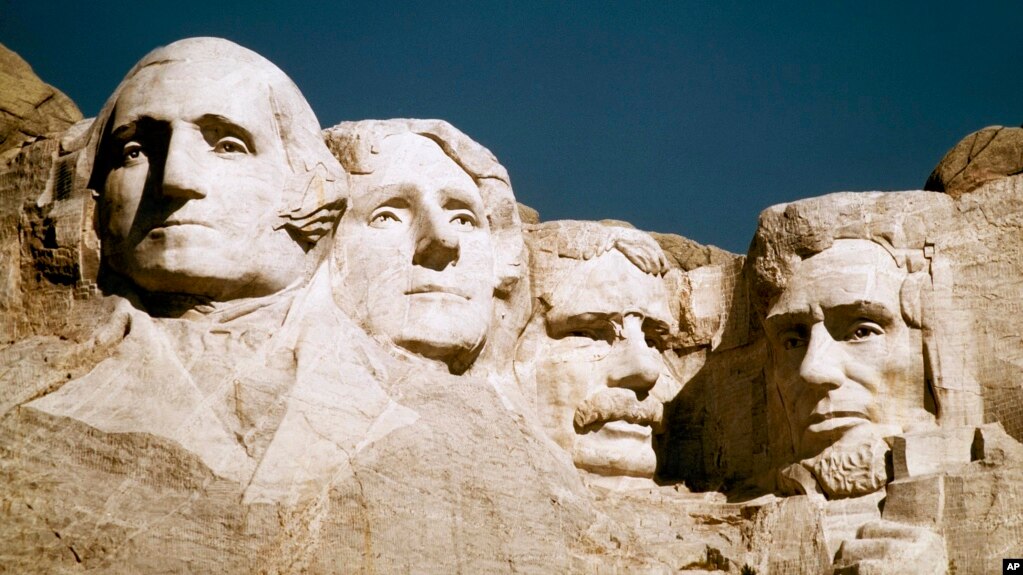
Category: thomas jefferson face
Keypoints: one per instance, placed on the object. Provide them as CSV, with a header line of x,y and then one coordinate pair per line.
x,y
417,262
847,365
196,174
601,379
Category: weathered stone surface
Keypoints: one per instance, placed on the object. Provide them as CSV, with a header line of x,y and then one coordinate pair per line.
x,y
528,215
948,291
29,108
228,415
233,342
989,154
689,255
592,361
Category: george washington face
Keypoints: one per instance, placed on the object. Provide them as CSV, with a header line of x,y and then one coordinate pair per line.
x,y
195,176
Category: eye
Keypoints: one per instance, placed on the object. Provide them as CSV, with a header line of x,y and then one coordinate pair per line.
x,y
464,221
596,331
864,330
131,152
793,339
793,342
384,219
230,145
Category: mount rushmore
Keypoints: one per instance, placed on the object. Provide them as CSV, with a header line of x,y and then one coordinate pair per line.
x,y
233,341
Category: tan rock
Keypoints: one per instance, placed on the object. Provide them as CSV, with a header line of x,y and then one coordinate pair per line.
x,y
988,154
590,360
228,416
358,366
29,108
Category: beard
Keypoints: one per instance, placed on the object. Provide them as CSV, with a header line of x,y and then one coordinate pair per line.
x,y
618,404
851,469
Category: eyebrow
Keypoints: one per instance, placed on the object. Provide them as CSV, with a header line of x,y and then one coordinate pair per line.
x,y
456,198
211,120
129,128
124,131
864,307
583,318
783,320
554,317
377,196
780,322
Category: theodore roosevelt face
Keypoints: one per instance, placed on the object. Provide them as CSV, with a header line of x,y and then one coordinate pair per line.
x,y
601,378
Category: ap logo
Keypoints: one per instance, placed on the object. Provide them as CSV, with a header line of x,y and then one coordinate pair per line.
x,y
1014,566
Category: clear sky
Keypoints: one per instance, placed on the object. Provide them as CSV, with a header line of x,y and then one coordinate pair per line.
x,y
683,117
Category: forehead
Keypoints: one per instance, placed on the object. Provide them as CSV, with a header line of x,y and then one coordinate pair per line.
x,y
411,159
608,284
849,272
188,91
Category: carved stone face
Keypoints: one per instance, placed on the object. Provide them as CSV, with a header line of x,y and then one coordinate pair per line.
x,y
847,365
418,265
196,176
601,380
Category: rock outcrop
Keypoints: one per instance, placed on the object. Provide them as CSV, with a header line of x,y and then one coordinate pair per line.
x,y
271,348
989,154
29,108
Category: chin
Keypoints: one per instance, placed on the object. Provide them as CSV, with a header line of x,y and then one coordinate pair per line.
x,y
189,277
616,454
455,332
455,350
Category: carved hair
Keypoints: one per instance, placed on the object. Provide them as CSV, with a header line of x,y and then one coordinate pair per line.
x,y
357,144
315,194
577,240
790,233
899,222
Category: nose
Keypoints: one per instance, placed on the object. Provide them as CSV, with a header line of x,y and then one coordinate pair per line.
x,y
634,365
822,364
437,243
182,171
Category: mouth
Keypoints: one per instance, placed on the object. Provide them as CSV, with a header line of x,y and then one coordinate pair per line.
x,y
619,429
832,420
434,289
175,223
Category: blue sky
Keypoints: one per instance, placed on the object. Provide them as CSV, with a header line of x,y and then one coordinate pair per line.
x,y
682,117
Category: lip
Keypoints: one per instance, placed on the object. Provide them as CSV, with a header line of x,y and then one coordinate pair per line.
x,y
178,222
618,429
435,289
836,420
817,417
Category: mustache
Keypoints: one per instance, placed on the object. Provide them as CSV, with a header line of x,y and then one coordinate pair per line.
x,y
618,404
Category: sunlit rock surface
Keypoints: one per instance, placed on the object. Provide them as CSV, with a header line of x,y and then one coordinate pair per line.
x,y
231,342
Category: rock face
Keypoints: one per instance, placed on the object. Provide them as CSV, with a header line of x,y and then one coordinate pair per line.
x,y
989,154
29,108
235,343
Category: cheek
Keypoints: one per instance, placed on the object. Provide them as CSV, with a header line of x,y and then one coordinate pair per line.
x,y
784,372
875,363
376,270
476,253
250,191
122,196
573,371
561,384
